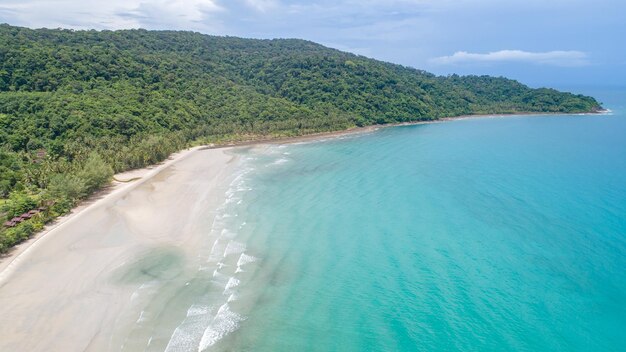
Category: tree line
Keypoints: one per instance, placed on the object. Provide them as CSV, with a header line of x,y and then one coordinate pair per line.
x,y
77,106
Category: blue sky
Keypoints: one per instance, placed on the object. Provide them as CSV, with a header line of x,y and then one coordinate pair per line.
x,y
540,42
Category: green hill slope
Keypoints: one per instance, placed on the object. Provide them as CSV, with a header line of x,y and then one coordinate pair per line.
x,y
77,105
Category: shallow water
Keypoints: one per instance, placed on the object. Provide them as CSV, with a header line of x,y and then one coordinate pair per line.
x,y
475,235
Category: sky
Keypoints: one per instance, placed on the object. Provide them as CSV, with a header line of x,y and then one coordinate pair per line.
x,y
556,43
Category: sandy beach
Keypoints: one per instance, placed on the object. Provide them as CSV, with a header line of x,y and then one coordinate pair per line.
x,y
72,288
75,286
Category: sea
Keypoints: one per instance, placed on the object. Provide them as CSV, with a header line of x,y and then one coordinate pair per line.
x,y
478,234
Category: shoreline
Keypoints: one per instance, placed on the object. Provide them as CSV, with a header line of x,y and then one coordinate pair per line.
x,y
127,180
371,128
101,256
113,256
123,182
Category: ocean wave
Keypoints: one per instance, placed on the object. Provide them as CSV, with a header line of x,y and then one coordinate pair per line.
x,y
187,335
280,161
218,275
205,324
225,322
217,250
234,247
232,283
245,259
144,287
226,233
141,318
198,309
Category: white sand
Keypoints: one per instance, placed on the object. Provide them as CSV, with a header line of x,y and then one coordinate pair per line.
x,y
71,289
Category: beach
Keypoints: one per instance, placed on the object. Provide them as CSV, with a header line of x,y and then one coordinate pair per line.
x,y
175,257
74,288
76,284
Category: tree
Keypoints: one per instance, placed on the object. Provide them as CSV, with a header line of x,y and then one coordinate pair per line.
x,y
95,173
66,187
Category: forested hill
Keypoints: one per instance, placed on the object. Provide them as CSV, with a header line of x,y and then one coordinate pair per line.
x,y
72,102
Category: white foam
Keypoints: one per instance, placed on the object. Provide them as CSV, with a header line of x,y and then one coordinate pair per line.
x,y
233,199
232,283
227,234
203,326
141,317
134,295
143,287
280,161
239,177
216,251
234,247
198,309
187,335
225,322
245,259
205,268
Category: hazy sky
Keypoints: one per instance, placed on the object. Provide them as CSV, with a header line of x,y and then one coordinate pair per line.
x,y
540,42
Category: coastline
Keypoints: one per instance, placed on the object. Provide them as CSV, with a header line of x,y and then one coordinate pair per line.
x,y
99,258
127,180
63,264
371,128
123,182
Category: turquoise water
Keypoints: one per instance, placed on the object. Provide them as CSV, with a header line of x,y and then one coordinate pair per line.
x,y
487,234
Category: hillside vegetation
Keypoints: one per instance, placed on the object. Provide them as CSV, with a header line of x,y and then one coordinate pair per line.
x,y
76,106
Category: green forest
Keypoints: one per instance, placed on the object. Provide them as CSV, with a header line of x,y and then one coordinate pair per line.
x,y
77,106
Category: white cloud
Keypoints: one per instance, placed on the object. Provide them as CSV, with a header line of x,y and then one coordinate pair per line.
x,y
109,14
555,58
262,5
